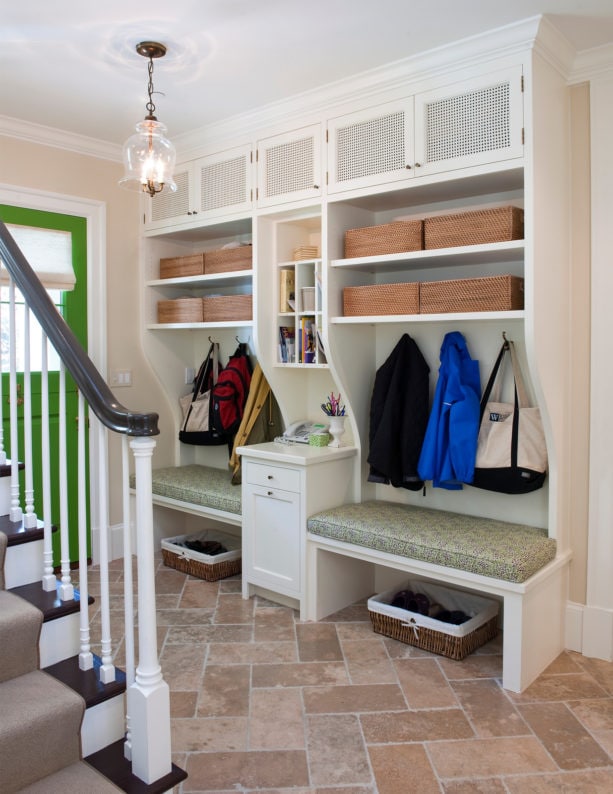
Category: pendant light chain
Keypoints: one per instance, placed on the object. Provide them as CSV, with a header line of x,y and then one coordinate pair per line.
x,y
148,156
150,105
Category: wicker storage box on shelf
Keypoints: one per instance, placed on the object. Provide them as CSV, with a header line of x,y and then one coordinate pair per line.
x,y
388,238
429,634
487,294
222,308
210,567
227,260
177,266
477,227
381,299
180,310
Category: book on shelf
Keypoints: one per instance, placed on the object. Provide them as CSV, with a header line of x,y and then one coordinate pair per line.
x,y
287,290
287,344
308,336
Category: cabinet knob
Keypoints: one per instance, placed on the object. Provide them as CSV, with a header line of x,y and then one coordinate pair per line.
x,y
316,187
270,493
269,477
417,165
408,167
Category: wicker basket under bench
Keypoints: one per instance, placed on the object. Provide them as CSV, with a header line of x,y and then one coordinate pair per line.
x,y
351,547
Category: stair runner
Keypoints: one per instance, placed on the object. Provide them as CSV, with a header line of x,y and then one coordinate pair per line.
x,y
41,717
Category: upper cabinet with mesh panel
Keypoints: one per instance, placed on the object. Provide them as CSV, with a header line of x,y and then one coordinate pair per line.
x,y
289,166
207,188
466,124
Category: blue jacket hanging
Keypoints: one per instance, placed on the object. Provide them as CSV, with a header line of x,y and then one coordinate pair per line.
x,y
450,444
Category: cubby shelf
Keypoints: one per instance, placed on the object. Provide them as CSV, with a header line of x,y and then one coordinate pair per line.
x,y
428,318
493,253
234,279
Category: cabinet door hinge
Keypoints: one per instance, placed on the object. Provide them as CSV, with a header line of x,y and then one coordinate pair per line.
x,y
327,138
144,219
523,136
250,157
257,155
522,84
327,183
257,193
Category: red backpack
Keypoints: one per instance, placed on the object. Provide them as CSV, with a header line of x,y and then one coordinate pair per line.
x,y
229,394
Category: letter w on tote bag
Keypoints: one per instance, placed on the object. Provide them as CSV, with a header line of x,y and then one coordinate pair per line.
x,y
511,448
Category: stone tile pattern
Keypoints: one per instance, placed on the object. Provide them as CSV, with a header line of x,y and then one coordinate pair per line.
x,y
261,702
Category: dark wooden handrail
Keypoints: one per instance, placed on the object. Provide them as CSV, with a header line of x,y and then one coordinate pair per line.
x,y
89,381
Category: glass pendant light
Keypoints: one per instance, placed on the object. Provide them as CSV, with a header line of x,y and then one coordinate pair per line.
x,y
148,156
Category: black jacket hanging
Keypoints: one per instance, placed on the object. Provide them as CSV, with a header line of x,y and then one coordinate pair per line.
x,y
399,411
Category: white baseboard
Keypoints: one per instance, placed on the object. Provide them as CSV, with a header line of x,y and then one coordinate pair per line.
x,y
598,633
115,543
574,626
589,631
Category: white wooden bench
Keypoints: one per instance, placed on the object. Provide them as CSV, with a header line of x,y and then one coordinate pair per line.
x,y
354,548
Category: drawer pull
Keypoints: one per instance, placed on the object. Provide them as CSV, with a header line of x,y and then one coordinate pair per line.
x,y
269,477
270,493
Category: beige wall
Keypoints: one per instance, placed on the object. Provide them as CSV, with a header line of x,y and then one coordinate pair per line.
x,y
28,165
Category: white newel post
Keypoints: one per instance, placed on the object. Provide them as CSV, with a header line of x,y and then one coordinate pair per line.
x,y
148,696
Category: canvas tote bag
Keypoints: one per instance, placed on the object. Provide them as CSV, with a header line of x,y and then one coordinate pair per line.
x,y
197,426
511,449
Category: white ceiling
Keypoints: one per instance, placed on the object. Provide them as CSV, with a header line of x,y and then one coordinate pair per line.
x,y
71,64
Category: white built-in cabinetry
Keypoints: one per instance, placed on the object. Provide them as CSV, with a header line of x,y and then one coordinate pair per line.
x,y
486,135
282,487
468,123
289,166
209,187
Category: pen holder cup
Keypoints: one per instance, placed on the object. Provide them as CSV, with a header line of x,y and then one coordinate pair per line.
x,y
337,430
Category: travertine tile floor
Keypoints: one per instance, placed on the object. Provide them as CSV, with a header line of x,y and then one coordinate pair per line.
x,y
261,702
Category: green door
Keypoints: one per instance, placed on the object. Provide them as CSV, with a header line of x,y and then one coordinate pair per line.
x,y
73,307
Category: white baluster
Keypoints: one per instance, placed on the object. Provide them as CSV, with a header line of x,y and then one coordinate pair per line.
x,y
49,580
107,669
128,595
148,697
86,657
66,589
15,513
30,520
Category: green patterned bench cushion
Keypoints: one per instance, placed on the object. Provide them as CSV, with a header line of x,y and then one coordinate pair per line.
x,y
511,552
198,485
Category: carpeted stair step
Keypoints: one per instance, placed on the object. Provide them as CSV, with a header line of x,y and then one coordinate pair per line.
x,y
39,729
20,625
79,778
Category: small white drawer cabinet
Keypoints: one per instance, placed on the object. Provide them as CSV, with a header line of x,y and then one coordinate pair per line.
x,y
282,485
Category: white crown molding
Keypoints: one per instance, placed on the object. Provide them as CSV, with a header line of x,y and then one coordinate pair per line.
x,y
589,64
554,48
59,139
465,53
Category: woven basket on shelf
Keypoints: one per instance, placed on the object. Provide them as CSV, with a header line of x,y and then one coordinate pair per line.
x,y
388,238
477,227
487,294
381,299
306,252
177,266
209,572
222,308
435,641
180,310
430,634
227,260
176,554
